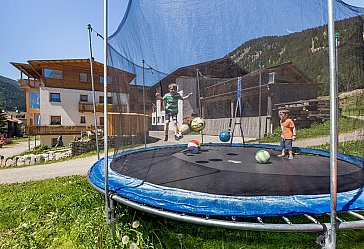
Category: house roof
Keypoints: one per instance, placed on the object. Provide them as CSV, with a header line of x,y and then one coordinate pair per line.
x,y
220,68
32,68
12,119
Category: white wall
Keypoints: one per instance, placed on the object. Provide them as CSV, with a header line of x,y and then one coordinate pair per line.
x,y
68,108
47,139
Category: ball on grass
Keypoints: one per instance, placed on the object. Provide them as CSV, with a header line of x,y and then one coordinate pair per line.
x,y
262,156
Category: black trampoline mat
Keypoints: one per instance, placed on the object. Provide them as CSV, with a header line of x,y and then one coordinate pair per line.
x,y
234,171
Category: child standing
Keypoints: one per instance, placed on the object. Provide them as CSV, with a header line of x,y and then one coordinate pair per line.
x,y
171,108
288,134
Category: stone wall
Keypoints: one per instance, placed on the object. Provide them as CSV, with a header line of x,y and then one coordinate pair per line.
x,y
31,159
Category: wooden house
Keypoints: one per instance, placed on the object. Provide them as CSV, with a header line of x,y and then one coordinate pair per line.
x,y
59,97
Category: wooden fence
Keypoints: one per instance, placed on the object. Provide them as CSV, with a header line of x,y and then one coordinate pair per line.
x,y
127,123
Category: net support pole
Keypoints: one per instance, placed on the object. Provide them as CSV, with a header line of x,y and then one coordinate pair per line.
x,y
93,90
337,35
108,210
199,98
144,113
330,242
260,100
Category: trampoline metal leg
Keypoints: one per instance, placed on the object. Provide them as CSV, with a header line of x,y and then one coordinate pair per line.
x,y
111,220
324,238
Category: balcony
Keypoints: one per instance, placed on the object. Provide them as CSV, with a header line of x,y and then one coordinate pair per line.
x,y
56,130
88,107
25,83
124,123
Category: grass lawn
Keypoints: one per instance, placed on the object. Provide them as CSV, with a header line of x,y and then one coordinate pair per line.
x,y
345,124
67,213
355,148
352,106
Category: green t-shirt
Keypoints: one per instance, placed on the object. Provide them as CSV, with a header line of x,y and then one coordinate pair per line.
x,y
172,102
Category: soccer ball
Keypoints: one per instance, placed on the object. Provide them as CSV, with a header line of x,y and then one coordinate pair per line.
x,y
184,129
179,135
197,124
262,156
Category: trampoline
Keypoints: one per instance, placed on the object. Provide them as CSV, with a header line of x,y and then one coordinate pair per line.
x,y
225,180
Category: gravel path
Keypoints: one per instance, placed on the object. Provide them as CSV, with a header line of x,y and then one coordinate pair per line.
x,y
81,166
355,135
16,149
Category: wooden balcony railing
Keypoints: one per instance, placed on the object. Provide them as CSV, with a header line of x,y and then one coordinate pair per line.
x,y
119,124
24,83
88,107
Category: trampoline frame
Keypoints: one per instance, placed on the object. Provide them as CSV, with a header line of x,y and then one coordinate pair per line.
x,y
314,226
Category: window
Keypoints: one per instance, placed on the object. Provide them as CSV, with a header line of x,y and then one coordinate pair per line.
x,y
54,74
101,100
34,100
36,119
108,80
54,141
101,120
83,77
83,98
55,120
272,78
55,97
140,91
83,120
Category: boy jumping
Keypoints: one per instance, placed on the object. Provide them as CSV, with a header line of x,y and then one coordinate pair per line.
x,y
171,108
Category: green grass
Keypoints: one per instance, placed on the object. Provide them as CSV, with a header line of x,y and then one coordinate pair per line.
x,y
67,213
355,148
345,124
352,106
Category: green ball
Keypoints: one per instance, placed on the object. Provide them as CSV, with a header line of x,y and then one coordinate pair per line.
x,y
262,156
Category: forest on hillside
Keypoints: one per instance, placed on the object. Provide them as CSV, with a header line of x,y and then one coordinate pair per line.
x,y
11,96
309,51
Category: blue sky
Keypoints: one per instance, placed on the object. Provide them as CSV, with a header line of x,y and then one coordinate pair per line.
x,y
56,29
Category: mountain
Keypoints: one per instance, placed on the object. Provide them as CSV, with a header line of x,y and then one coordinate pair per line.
x,y
309,51
11,96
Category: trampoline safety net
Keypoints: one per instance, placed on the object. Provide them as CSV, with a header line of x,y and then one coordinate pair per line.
x,y
183,70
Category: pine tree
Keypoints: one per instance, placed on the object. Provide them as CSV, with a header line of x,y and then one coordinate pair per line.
x,y
2,120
